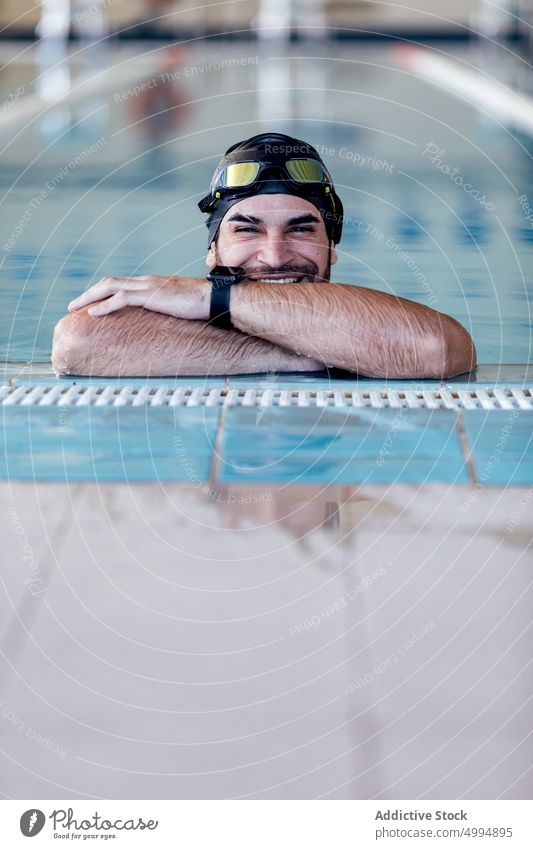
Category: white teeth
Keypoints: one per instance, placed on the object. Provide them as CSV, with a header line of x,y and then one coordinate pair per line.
x,y
278,280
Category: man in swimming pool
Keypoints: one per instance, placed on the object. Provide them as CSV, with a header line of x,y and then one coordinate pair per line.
x,y
273,222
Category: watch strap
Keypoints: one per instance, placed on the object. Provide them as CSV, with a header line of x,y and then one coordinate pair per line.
x,y
222,280
219,312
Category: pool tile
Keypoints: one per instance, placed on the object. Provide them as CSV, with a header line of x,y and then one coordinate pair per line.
x,y
501,444
37,371
494,373
138,639
9,371
324,380
47,377
107,444
344,446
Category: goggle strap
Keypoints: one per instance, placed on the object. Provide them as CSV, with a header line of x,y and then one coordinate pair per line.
x,y
206,204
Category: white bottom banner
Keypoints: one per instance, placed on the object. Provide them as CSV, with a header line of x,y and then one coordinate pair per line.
x,y
269,824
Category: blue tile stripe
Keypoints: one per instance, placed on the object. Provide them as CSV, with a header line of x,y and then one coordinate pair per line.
x,y
272,444
501,446
107,444
342,446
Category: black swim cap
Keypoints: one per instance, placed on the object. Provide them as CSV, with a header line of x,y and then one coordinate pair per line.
x,y
272,150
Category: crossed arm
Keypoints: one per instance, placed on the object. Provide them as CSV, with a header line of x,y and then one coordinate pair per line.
x,y
155,326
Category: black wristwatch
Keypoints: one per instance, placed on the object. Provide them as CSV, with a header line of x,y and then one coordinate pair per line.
x,y
222,279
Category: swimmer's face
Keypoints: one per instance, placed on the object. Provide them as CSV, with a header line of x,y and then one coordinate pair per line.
x,y
275,238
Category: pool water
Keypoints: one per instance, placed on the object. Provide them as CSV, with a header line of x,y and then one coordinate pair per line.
x,y
108,184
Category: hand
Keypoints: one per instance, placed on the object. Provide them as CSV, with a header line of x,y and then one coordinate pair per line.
x,y
181,297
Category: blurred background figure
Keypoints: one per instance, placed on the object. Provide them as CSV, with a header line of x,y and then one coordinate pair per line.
x,y
54,78
274,19
165,107
89,19
54,21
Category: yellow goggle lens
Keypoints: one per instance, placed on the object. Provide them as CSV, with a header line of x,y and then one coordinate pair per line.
x,y
305,170
239,174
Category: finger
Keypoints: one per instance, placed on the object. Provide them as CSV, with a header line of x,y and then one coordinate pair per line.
x,y
115,302
103,289
100,290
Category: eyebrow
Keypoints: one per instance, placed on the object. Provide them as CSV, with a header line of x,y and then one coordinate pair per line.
x,y
252,219
248,219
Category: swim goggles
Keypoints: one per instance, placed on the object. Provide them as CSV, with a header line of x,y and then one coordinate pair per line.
x,y
243,176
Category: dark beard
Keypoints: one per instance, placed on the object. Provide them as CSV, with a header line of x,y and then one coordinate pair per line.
x,y
309,270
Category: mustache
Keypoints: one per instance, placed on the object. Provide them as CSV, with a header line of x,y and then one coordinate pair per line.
x,y
308,269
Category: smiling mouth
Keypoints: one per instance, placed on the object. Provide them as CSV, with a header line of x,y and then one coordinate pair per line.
x,y
277,278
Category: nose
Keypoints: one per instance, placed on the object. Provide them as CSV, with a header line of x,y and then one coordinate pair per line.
x,y
274,251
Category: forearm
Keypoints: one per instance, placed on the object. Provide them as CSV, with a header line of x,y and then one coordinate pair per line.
x,y
137,342
363,330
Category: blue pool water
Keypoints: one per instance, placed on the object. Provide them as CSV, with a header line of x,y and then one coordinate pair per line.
x,y
129,206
